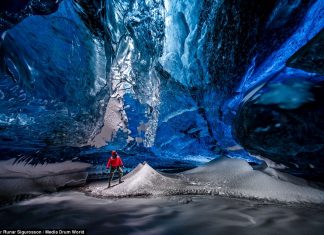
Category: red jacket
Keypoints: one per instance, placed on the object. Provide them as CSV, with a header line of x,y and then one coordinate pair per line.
x,y
114,162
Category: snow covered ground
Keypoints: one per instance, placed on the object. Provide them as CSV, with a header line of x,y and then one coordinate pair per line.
x,y
228,177
223,176
149,202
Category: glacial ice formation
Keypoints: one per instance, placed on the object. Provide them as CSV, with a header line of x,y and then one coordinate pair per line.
x,y
174,77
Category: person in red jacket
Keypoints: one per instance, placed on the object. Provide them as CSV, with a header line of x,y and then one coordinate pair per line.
x,y
115,163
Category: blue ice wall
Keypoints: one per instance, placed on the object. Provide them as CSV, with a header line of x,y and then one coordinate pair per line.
x,y
53,85
176,74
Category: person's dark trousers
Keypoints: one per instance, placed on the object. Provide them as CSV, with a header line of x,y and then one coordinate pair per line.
x,y
112,172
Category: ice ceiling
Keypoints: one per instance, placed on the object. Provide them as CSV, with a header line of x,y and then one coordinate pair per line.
x,y
173,78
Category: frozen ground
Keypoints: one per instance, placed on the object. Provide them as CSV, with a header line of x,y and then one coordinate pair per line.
x,y
148,202
25,179
189,215
228,177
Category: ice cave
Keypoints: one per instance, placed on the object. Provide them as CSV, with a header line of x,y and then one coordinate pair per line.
x,y
215,107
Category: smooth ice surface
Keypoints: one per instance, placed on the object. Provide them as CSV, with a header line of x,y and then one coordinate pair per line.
x,y
286,96
228,177
165,216
21,178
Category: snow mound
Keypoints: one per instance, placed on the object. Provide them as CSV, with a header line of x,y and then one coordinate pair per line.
x,y
228,177
142,181
235,177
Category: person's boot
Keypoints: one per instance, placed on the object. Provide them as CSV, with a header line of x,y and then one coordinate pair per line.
x,y
110,179
120,176
120,180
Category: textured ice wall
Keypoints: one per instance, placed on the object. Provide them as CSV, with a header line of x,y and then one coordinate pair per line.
x,y
53,87
135,30
171,74
225,56
183,55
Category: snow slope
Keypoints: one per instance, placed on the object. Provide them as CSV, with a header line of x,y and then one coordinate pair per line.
x,y
228,177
